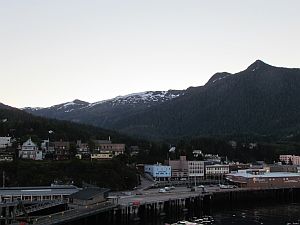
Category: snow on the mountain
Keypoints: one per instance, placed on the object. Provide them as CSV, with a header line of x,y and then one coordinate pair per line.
x,y
70,110
220,78
68,105
145,97
32,108
141,97
96,103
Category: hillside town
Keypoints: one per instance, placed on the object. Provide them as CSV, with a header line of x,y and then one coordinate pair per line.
x,y
59,150
211,168
259,175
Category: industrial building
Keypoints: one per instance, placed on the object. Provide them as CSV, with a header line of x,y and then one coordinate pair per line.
x,y
259,178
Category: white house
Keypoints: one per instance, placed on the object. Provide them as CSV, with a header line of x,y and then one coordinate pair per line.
x,y
5,142
30,150
158,171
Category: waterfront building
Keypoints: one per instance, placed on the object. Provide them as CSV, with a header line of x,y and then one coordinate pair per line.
x,y
259,178
216,171
183,169
290,159
89,196
179,168
196,171
158,172
284,168
33,194
5,142
30,150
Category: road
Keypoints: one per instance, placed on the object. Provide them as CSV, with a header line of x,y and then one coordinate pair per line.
x,y
153,195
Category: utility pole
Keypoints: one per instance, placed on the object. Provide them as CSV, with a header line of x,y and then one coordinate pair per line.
x,y
3,179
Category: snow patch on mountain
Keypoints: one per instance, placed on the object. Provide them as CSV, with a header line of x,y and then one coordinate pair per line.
x,y
68,106
32,108
141,97
148,98
220,78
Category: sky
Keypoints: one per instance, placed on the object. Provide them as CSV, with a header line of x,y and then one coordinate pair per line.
x,y
55,51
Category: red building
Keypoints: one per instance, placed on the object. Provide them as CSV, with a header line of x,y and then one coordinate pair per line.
x,y
259,178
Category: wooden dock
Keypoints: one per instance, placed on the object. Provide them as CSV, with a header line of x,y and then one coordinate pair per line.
x,y
175,204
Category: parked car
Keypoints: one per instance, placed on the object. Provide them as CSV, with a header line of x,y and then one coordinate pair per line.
x,y
222,186
162,190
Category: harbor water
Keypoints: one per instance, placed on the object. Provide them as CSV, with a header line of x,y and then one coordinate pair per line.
x,y
281,214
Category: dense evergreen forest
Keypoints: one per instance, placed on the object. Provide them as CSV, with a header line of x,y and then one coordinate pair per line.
x,y
113,174
21,125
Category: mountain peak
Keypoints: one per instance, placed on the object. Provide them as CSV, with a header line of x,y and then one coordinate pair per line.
x,y
218,76
258,64
78,101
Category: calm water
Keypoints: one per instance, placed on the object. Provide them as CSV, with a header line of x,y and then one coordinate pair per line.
x,y
271,214
283,214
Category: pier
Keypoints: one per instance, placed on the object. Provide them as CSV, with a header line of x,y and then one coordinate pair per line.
x,y
152,206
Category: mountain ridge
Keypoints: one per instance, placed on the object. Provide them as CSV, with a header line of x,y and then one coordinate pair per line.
x,y
262,99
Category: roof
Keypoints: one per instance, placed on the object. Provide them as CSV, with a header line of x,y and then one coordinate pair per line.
x,y
61,143
218,165
265,175
102,141
29,143
89,193
42,190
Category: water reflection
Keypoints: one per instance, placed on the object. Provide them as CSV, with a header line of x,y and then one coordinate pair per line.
x,y
267,215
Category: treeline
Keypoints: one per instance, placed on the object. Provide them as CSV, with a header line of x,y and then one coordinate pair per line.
x,y
21,125
247,151
113,174
243,151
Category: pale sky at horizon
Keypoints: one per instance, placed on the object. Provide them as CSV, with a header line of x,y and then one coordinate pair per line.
x,y
56,51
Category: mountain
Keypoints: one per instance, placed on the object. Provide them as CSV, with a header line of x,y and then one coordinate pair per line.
x,y
20,124
107,112
2,106
261,100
